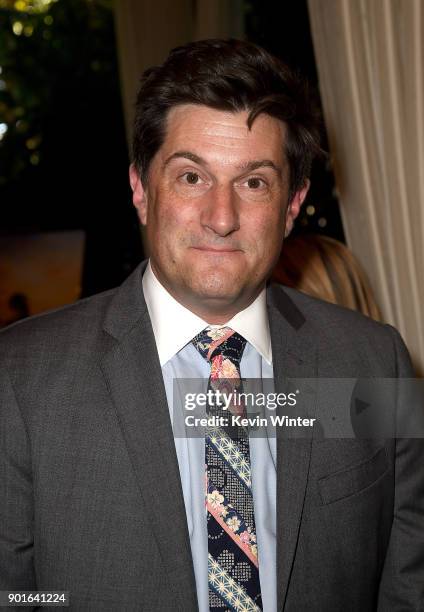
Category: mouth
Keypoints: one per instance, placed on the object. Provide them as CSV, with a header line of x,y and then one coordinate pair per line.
x,y
217,250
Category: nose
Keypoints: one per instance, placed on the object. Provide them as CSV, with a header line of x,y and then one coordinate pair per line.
x,y
220,213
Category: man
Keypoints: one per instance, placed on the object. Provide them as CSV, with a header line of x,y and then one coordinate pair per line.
x,y
97,496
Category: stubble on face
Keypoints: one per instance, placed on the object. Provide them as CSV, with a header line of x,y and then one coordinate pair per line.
x,y
215,227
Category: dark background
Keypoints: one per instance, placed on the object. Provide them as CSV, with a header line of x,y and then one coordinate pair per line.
x,y
64,158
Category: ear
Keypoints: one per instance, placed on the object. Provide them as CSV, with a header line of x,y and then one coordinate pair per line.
x,y
139,195
294,206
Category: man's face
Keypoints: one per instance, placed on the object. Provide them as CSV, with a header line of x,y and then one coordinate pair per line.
x,y
216,207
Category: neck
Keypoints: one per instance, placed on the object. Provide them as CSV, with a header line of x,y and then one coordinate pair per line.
x,y
216,313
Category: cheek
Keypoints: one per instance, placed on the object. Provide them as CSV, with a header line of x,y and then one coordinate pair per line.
x,y
173,211
266,232
170,225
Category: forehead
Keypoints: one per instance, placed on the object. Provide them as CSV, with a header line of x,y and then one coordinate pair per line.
x,y
223,135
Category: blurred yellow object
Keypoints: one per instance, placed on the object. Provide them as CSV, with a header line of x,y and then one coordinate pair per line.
x,y
27,6
325,268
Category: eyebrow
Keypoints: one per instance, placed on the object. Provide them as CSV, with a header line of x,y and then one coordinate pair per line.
x,y
187,155
260,163
248,166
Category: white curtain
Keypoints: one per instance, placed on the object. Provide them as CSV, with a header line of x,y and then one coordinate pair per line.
x,y
146,30
370,58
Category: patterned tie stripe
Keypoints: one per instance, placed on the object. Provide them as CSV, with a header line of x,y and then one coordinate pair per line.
x,y
233,573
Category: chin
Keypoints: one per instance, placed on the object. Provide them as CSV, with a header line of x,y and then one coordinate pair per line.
x,y
216,288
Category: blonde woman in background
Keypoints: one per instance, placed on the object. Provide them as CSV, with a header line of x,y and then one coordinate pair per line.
x,y
325,268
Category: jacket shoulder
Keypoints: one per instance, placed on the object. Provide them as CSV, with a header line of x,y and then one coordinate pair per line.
x,y
345,331
325,313
77,324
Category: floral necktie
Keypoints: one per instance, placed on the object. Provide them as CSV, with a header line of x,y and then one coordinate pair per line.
x,y
233,573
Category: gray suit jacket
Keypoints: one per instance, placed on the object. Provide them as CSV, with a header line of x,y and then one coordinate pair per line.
x,y
90,494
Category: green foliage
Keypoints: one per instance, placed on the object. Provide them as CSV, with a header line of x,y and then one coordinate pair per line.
x,y
46,46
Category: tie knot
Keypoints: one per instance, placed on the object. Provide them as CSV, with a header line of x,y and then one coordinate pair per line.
x,y
220,341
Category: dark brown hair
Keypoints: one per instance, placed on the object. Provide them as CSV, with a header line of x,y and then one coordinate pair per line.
x,y
228,75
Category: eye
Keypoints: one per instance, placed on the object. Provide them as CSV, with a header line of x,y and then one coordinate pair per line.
x,y
254,182
191,178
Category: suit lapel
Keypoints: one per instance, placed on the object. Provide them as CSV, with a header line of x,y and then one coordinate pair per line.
x,y
294,356
134,377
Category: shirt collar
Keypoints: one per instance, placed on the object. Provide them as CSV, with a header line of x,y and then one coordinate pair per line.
x,y
174,326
